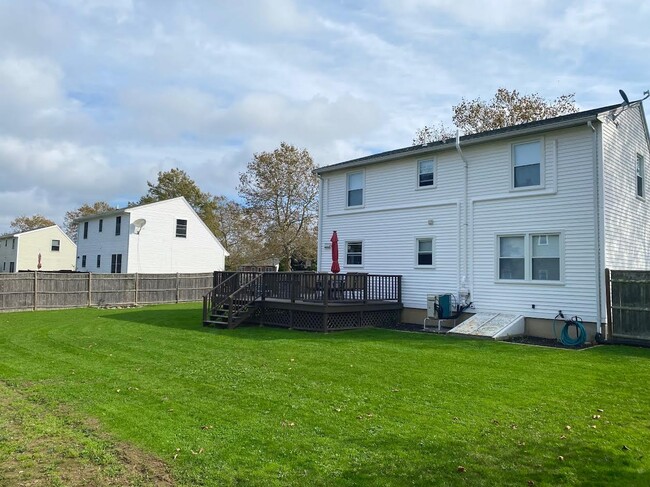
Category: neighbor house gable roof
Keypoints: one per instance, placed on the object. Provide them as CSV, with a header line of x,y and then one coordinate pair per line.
x,y
131,209
20,234
563,121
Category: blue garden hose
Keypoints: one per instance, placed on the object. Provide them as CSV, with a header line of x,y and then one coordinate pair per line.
x,y
565,337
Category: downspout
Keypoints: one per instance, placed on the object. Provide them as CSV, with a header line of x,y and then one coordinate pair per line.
x,y
598,252
319,253
464,286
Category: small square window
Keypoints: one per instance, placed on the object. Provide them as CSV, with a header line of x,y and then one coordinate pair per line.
x,y
56,245
425,173
181,228
354,253
355,189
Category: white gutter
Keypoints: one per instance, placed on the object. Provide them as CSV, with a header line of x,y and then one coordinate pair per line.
x,y
465,291
598,249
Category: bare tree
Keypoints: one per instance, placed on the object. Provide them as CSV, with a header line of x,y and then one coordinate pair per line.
x,y
25,223
505,109
69,224
280,190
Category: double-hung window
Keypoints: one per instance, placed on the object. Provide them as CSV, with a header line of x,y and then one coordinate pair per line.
x,y
116,264
101,225
426,173
529,257
56,245
118,226
83,261
99,261
640,177
85,230
355,189
527,164
354,253
424,251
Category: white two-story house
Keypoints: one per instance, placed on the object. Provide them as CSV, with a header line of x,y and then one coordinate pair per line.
x,y
157,238
520,220
44,249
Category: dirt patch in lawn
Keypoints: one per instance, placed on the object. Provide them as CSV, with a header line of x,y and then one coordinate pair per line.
x,y
45,446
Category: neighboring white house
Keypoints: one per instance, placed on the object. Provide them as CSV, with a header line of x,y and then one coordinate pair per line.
x,y
163,237
49,246
519,220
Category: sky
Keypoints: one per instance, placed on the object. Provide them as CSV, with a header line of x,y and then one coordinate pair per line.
x,y
98,96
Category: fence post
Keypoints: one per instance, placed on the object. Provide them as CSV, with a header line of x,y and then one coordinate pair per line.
x,y
608,303
90,289
35,288
178,285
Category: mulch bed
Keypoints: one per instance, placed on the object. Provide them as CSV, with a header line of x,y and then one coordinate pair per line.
x,y
525,340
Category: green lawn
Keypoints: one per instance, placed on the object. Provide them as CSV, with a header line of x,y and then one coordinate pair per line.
x,y
263,406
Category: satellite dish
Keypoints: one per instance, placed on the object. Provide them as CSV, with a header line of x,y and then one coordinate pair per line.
x,y
138,224
626,100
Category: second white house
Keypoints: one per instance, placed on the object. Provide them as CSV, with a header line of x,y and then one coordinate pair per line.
x,y
157,238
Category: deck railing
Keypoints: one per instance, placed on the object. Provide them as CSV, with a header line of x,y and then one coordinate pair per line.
x,y
313,287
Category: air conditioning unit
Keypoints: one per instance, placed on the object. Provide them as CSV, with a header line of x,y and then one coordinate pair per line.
x,y
439,306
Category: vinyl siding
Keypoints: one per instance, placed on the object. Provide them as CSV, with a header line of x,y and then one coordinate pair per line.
x,y
32,243
395,213
626,217
156,249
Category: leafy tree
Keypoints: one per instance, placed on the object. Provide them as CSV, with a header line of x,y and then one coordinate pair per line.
x,y
69,224
25,223
280,190
505,109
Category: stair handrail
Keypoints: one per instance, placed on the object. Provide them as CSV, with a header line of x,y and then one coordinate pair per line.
x,y
234,306
210,298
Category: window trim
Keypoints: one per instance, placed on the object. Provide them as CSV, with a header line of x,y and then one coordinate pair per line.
x,y
542,165
639,157
528,258
416,252
363,189
356,240
434,173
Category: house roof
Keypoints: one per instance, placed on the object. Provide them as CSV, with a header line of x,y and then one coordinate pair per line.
x,y
129,209
17,234
562,121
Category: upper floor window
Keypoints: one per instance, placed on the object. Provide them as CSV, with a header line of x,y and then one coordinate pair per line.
x,y
425,173
13,244
355,189
639,175
181,228
527,164
101,225
354,253
118,226
56,245
85,230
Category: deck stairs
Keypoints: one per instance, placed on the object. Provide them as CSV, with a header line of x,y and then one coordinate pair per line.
x,y
497,326
220,316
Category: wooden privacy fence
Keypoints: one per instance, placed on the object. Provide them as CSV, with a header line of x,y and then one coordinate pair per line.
x,y
48,290
628,304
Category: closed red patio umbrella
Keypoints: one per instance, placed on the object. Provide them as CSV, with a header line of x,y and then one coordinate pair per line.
x,y
336,268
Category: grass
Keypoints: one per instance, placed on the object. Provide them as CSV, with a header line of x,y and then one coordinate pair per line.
x,y
263,406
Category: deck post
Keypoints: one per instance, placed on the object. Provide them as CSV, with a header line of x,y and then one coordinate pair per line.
x,y
399,289
205,308
365,288
609,330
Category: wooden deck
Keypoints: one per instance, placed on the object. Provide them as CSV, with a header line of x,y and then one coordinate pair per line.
x,y
303,301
